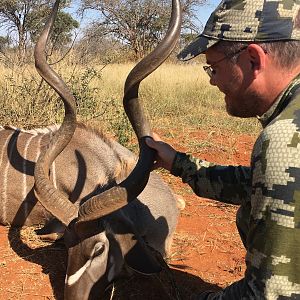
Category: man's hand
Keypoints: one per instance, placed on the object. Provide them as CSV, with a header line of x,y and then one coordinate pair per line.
x,y
165,154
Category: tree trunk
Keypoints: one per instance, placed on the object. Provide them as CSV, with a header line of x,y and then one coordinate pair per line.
x,y
22,45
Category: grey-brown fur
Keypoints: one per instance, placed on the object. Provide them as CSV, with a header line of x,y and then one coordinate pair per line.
x,y
89,163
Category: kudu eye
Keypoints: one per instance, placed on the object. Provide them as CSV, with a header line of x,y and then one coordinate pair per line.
x,y
98,249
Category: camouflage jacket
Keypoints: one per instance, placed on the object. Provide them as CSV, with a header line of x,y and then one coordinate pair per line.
x,y
269,195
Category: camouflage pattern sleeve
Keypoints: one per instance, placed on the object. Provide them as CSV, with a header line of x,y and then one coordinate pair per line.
x,y
229,184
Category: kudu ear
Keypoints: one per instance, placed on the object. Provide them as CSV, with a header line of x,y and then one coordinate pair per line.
x,y
141,260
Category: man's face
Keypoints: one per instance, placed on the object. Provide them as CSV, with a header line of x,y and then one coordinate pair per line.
x,y
235,81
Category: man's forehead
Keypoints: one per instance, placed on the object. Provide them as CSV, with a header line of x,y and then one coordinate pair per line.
x,y
212,55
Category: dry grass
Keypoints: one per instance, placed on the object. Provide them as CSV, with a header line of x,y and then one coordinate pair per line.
x,y
173,94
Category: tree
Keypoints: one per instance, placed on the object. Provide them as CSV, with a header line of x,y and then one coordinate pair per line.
x,y
4,41
138,23
61,32
25,18
92,46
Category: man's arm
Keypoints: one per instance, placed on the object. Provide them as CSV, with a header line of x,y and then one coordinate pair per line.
x,y
228,184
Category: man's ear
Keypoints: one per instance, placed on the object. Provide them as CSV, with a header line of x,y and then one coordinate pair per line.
x,y
257,58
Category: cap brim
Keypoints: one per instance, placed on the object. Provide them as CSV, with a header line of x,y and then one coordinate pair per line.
x,y
196,47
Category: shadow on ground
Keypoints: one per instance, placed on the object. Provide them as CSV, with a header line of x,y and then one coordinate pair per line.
x,y
52,259
158,287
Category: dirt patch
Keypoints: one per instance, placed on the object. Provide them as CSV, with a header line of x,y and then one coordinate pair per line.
x,y
207,252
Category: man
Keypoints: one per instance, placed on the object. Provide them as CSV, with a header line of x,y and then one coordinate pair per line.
x,y
252,49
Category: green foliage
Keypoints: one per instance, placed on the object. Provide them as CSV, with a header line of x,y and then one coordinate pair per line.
x,y
90,105
119,124
140,24
26,18
28,101
85,94
62,29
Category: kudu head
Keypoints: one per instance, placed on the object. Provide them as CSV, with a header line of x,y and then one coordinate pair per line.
x,y
101,239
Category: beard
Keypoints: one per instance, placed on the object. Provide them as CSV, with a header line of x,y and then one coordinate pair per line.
x,y
242,98
243,105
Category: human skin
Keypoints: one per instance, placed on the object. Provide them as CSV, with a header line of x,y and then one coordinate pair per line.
x,y
252,83
165,153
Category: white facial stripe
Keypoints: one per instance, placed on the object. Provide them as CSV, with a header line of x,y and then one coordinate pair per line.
x,y
72,279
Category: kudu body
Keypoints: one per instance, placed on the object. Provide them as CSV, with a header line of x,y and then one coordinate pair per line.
x,y
90,163
111,231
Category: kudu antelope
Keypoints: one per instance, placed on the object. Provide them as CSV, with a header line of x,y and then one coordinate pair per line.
x,y
110,230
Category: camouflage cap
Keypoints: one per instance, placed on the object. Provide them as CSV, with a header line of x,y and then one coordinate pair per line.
x,y
248,21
